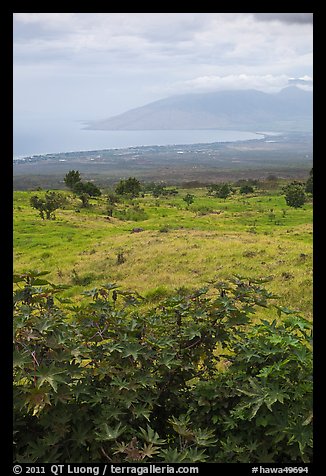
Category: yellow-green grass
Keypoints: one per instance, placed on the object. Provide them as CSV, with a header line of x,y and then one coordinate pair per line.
x,y
180,247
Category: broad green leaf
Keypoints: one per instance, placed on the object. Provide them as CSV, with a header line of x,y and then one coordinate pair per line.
x,y
194,455
21,359
40,282
50,375
172,455
131,350
108,433
192,332
148,451
180,426
120,383
36,400
151,436
205,437
141,411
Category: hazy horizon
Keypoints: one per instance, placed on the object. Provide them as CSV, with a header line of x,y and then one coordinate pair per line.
x,y
92,66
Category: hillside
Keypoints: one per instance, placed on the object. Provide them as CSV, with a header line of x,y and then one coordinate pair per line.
x,y
290,109
179,246
159,320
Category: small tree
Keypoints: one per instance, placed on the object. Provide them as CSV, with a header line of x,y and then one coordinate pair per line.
x,y
189,199
87,187
295,194
224,191
47,205
221,190
112,200
85,190
72,178
158,190
131,187
246,189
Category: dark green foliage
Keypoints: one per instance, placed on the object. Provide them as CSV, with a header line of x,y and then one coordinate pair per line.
x,y
189,199
72,178
87,188
159,190
295,194
47,205
221,190
246,189
309,183
110,381
130,186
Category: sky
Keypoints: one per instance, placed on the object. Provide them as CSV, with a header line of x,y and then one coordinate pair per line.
x,y
87,66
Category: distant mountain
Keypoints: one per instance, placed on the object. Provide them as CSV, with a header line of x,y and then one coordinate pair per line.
x,y
289,109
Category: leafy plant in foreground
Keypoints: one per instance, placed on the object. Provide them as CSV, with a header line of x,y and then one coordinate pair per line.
x,y
109,381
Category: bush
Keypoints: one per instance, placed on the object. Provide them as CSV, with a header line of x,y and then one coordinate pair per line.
x,y
295,194
109,381
246,189
130,186
88,188
48,204
222,190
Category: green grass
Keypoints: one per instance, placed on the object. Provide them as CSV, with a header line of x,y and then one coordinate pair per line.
x,y
180,247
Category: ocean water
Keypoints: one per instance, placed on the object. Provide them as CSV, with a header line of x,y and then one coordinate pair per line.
x,y
50,136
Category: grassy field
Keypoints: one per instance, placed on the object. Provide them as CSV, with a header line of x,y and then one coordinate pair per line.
x,y
255,235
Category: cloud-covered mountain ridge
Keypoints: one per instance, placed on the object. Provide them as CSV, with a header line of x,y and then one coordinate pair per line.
x,y
289,109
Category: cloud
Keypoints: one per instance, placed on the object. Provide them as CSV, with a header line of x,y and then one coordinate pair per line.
x,y
127,59
267,83
285,17
185,37
305,82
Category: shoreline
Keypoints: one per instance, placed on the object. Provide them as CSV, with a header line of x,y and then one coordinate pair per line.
x,y
53,155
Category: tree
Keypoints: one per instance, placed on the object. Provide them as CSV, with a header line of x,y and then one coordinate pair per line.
x,y
158,190
222,190
112,200
130,186
309,183
85,190
295,194
47,205
246,189
189,199
72,178
87,187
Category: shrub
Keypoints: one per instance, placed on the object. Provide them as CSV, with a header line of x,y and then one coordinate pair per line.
x,y
189,199
222,190
130,186
72,178
109,381
48,204
295,194
246,189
